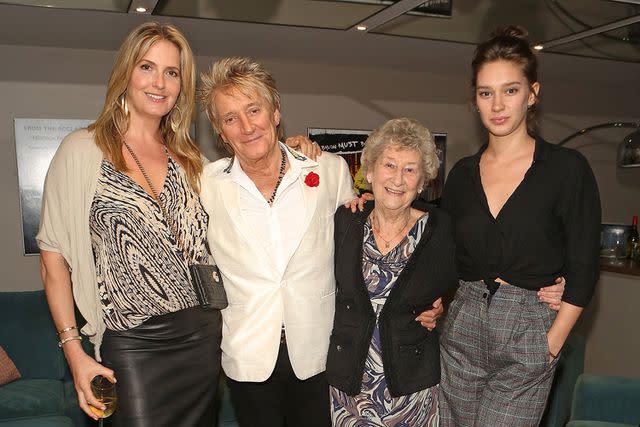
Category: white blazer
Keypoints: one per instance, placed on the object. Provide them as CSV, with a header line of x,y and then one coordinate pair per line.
x,y
262,299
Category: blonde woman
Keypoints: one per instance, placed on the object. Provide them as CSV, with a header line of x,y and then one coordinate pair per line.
x,y
121,222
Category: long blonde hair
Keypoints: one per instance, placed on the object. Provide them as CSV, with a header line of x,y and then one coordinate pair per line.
x,y
113,121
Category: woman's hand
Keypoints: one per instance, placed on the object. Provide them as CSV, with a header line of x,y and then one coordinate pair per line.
x,y
552,295
555,344
358,202
562,325
304,145
428,318
84,368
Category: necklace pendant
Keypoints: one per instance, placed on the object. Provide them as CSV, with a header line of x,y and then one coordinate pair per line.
x,y
386,245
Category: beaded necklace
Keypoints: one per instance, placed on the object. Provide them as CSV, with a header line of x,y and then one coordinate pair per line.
x,y
283,163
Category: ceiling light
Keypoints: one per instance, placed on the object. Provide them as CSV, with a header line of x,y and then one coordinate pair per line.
x,y
538,47
628,149
361,28
142,6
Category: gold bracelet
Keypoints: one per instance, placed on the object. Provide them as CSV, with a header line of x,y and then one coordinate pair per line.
x,y
70,328
66,340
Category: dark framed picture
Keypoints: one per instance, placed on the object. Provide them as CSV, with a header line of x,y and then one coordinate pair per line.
x,y
36,142
349,143
435,187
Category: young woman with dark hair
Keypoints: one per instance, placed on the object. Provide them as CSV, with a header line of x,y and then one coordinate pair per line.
x,y
524,212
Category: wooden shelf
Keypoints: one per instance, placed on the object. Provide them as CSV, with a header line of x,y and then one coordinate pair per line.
x,y
622,266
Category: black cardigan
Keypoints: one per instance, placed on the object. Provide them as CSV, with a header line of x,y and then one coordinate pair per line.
x,y
410,353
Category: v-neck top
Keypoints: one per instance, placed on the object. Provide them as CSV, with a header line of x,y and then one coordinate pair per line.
x,y
141,270
549,226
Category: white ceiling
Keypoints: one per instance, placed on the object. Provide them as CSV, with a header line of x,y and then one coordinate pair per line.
x,y
304,48
471,20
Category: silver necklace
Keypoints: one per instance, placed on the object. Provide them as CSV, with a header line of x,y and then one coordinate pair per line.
x,y
376,230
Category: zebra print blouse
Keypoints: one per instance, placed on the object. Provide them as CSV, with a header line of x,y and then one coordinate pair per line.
x,y
141,270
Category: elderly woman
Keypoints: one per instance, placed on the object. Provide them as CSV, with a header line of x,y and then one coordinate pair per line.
x,y
121,222
272,239
393,260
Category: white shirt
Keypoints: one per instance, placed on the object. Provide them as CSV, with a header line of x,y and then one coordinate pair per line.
x,y
277,227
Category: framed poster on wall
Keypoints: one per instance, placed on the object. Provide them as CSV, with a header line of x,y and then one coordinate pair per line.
x,y
36,142
349,143
435,187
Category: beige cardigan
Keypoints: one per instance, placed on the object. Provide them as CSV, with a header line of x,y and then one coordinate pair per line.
x,y
69,189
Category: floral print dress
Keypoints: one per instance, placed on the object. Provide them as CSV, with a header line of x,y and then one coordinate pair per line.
x,y
374,406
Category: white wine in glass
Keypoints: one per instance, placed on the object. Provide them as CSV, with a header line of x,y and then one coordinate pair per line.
x,y
105,391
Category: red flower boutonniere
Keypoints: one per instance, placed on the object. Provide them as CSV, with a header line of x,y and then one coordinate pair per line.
x,y
312,179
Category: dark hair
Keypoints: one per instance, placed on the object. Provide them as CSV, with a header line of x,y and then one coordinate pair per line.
x,y
509,43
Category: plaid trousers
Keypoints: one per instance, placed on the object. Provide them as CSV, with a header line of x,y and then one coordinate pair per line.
x,y
495,358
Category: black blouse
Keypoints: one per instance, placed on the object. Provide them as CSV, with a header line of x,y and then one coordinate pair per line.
x,y
549,227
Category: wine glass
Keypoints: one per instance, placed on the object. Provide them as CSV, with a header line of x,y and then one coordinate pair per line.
x,y
105,391
620,245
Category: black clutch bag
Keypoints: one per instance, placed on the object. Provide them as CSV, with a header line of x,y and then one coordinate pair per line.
x,y
207,282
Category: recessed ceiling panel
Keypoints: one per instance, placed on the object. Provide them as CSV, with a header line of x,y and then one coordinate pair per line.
x,y
437,8
622,44
471,21
108,5
304,13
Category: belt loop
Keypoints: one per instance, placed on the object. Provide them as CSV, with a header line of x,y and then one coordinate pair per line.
x,y
492,287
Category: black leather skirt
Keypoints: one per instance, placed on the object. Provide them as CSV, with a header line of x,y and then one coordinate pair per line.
x,y
166,369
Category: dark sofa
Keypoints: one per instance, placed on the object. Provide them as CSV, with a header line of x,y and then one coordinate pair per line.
x,y
45,395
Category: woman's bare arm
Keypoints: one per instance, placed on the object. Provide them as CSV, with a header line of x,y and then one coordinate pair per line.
x,y
57,285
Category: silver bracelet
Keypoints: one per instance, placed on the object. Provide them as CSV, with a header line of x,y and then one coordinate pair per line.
x,y
66,340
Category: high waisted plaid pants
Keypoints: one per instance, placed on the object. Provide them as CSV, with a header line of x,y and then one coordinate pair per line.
x,y
495,358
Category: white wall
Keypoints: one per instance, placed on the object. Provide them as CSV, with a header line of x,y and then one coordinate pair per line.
x,y
47,82
609,324
331,80
30,100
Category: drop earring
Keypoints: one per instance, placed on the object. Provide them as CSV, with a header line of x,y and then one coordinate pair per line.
x,y
172,121
123,104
